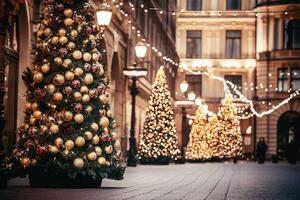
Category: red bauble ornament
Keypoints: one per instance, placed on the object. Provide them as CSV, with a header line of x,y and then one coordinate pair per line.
x,y
63,52
76,84
41,150
39,92
105,138
59,7
29,144
87,67
69,1
78,108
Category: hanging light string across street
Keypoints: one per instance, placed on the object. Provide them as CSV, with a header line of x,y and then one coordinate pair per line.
x,y
242,97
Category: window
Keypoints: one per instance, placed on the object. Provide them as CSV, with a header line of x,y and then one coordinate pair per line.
x,y
234,4
195,85
193,47
291,39
276,22
237,81
295,79
233,44
282,80
194,4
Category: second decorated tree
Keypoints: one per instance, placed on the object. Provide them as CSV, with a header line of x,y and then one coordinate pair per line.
x,y
198,147
158,142
229,133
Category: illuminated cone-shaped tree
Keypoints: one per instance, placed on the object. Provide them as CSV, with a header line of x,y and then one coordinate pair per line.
x,y
158,143
69,127
213,138
197,148
230,139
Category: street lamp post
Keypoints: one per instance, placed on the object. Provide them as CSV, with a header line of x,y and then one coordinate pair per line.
x,y
134,73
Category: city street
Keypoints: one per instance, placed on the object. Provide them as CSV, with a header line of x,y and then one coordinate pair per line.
x,y
245,180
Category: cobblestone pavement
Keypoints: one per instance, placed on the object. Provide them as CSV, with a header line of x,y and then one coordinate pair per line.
x,y
245,180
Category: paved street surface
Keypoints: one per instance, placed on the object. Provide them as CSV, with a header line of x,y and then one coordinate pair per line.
x,y
189,181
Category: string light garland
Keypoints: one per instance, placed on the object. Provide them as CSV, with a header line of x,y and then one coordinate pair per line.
x,y
242,97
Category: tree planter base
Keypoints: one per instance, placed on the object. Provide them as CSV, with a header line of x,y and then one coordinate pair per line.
x,y
3,179
39,178
158,161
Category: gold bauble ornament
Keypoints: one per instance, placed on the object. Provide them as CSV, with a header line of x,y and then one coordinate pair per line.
x,y
32,120
104,122
47,31
33,162
50,88
25,162
95,139
28,106
63,40
88,135
77,55
74,33
37,114
79,141
114,136
77,96
61,32
68,22
55,40
117,145
95,126
88,79
102,161
53,149
79,28
109,113
108,150
78,163
67,63
87,57
57,96
67,116
98,151
95,56
43,129
59,142
92,156
45,68
71,45
69,144
38,77
78,71
39,33
58,79
103,98
78,118
58,60
102,112
92,38
68,12
34,106
85,98
69,75
84,89
66,152
54,129
88,109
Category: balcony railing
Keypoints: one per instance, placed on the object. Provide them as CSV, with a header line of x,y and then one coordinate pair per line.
x,y
274,2
279,55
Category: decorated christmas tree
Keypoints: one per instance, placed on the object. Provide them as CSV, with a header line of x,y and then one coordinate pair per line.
x,y
230,138
212,136
158,142
68,136
198,148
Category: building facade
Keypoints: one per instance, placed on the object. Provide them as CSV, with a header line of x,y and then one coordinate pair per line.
x,y
254,45
130,24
